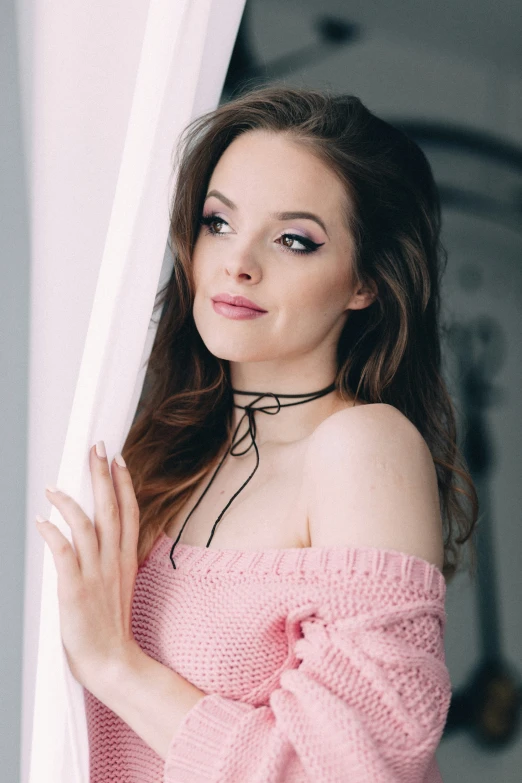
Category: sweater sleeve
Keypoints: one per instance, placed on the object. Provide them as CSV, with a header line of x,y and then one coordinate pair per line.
x,y
367,701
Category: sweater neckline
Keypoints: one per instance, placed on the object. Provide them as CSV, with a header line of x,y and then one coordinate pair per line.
x,y
302,561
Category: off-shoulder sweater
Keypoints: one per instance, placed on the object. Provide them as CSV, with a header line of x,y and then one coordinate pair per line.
x,y
319,665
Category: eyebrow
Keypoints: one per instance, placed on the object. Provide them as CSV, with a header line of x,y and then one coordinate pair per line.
x,y
275,215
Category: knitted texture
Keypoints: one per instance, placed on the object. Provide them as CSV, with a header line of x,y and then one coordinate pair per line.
x,y
321,665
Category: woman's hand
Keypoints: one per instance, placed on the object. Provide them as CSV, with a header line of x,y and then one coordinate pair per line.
x,y
96,582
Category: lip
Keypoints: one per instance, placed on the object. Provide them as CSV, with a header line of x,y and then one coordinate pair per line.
x,y
235,312
238,301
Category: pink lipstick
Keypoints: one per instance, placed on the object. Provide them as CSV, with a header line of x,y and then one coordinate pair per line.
x,y
236,307
235,312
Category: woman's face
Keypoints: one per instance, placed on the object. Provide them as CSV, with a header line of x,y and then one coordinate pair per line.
x,y
245,251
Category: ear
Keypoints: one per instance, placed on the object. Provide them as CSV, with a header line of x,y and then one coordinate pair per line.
x,y
364,295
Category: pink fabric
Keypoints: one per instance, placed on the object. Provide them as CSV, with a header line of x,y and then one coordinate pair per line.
x,y
319,665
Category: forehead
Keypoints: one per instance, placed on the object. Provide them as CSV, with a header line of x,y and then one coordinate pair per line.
x,y
266,169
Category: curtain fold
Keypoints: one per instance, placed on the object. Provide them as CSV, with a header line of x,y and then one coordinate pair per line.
x,y
112,89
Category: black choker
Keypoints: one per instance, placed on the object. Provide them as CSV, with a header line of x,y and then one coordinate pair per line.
x,y
250,411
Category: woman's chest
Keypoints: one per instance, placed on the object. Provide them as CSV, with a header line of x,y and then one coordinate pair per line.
x,y
270,512
227,633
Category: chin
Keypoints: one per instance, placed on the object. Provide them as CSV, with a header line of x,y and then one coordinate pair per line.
x,y
231,345
223,349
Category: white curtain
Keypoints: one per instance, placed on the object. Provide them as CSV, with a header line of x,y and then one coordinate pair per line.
x,y
113,85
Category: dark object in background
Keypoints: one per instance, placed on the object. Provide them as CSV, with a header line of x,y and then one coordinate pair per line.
x,y
244,70
489,704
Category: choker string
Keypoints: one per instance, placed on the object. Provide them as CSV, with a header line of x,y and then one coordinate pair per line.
x,y
249,412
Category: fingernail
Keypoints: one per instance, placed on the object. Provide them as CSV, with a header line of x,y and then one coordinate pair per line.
x,y
52,488
100,449
119,459
39,519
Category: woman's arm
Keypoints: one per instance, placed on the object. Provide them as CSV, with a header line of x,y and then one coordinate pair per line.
x,y
151,698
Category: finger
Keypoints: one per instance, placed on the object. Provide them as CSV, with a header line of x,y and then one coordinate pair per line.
x,y
129,525
65,560
106,509
83,533
129,511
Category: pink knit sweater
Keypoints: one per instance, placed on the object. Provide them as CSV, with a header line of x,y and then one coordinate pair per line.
x,y
321,665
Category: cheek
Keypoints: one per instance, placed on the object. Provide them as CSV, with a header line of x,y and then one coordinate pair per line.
x,y
310,313
320,296
204,282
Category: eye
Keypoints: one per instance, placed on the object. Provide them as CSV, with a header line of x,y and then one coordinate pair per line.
x,y
309,247
208,220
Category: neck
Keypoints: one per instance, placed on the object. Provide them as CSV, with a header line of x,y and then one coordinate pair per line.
x,y
291,413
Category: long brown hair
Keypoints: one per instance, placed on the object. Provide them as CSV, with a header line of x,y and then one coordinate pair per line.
x,y
388,352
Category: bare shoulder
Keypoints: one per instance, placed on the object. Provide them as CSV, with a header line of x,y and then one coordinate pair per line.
x,y
371,481
366,429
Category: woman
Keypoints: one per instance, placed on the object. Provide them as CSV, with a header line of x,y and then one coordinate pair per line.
x,y
280,603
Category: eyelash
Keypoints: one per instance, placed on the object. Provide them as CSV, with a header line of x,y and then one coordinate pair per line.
x,y
207,220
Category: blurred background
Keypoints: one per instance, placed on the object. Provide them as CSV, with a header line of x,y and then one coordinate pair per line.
x,y
449,74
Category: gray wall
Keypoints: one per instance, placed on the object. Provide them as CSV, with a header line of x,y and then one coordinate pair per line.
x,y
14,334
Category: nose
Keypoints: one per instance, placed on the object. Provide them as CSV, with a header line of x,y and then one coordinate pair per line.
x,y
243,264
